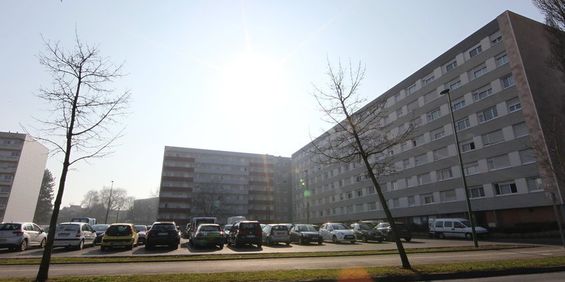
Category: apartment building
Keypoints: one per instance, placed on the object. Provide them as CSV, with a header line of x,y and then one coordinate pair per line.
x,y
198,182
504,97
22,164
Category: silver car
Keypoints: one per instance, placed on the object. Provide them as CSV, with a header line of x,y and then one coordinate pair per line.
x,y
21,235
74,235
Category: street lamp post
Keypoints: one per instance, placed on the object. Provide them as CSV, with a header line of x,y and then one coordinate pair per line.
x,y
469,210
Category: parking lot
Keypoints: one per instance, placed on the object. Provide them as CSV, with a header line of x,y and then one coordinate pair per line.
x,y
185,249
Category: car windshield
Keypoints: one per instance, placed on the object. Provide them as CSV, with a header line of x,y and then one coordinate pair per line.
x,y
118,230
339,226
141,228
67,227
100,227
209,228
227,227
163,227
466,223
248,226
364,227
306,228
10,226
280,227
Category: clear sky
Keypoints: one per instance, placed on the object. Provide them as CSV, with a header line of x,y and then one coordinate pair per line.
x,y
223,75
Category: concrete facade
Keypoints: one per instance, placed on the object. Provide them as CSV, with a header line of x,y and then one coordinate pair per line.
x,y
502,91
22,164
198,182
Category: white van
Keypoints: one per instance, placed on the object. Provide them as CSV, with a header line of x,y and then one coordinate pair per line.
x,y
454,227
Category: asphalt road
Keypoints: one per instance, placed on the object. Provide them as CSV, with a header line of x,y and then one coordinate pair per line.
x,y
346,263
184,249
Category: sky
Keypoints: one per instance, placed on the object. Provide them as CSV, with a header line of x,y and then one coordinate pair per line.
x,y
221,75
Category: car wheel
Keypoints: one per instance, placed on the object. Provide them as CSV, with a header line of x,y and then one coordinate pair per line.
x,y
269,241
468,236
288,243
42,244
320,242
175,247
334,239
80,245
259,246
407,239
300,241
221,246
148,247
365,239
353,242
23,245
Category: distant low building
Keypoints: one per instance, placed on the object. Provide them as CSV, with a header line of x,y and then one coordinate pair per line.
x,y
145,210
22,164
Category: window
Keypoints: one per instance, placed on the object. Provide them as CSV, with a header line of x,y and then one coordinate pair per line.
x,y
481,93
520,129
412,106
451,65
421,159
527,156
498,162
493,137
444,174
454,84
411,201
411,89
359,193
514,105
406,163
417,121
447,196
437,133
434,114
458,104
462,124
475,51
507,81
372,206
428,79
427,198
496,38
534,183
487,114
478,71
403,146
431,96
440,153
424,179
505,188
419,140
399,112
476,192
471,168
395,203
501,59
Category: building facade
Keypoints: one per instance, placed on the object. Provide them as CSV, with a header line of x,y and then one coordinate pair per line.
x,y
503,96
22,164
198,182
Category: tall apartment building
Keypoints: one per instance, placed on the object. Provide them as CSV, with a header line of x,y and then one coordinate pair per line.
x,y
22,163
504,96
198,182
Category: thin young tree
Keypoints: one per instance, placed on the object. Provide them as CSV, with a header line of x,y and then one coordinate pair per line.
x,y
84,110
360,133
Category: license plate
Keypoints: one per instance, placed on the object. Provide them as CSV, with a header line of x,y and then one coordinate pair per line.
x,y
281,233
250,236
163,234
63,234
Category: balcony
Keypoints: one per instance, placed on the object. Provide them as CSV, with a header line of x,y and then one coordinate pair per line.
x,y
9,158
4,194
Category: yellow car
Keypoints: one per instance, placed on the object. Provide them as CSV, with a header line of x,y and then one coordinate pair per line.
x,y
119,235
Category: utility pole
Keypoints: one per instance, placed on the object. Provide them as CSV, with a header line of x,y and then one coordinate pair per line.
x,y
109,203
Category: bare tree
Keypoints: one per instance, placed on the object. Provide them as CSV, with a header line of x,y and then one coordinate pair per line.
x,y
90,199
114,197
360,133
554,12
83,108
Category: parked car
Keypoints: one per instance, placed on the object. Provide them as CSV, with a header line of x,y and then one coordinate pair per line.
x,y
21,235
119,235
227,229
162,233
276,233
245,232
454,227
337,232
305,233
74,235
207,235
141,233
364,232
386,230
100,229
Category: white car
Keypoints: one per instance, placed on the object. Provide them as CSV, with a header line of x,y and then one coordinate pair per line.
x,y
74,235
454,227
337,232
21,235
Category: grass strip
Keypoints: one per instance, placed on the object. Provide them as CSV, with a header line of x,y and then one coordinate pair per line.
x,y
166,258
420,272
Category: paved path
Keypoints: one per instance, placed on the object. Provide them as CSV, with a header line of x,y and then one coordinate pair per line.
x,y
276,264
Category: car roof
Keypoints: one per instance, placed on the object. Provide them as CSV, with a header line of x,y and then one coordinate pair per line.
x,y
208,224
164,222
73,223
117,224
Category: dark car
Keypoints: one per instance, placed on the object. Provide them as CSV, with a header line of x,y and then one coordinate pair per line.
x,y
162,233
386,230
208,235
245,232
364,232
305,233
100,230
